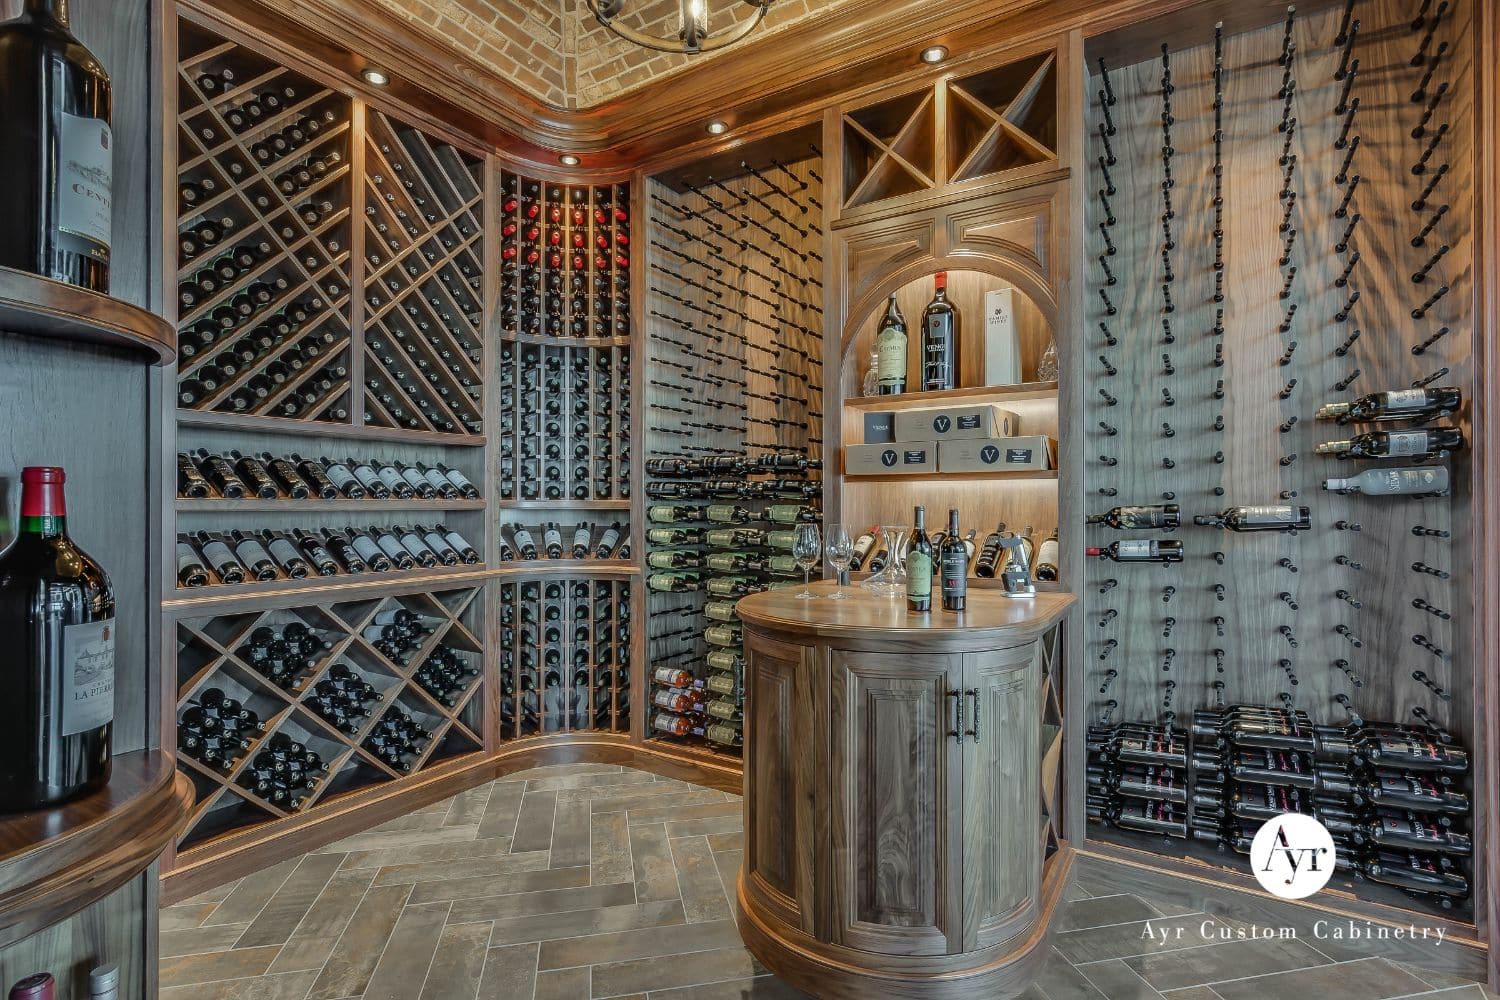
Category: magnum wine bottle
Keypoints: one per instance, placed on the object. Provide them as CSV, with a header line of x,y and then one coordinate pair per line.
x,y
57,613
55,106
919,565
890,351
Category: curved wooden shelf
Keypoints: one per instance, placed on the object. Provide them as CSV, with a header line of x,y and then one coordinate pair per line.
x,y
914,400
41,307
55,862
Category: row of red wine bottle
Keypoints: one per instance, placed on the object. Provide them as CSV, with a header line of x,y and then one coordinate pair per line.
x,y
206,558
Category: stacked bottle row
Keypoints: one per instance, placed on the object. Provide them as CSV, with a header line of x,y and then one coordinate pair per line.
x,y
236,476
565,254
565,423
424,288
585,540
206,558
564,656
263,236
1393,796
719,531
278,710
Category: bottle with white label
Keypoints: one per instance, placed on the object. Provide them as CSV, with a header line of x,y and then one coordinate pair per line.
x,y
1046,559
1434,442
1157,550
608,542
1265,517
1398,404
1420,482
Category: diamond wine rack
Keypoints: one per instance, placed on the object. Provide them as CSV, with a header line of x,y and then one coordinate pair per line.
x,y
273,168
227,656
963,129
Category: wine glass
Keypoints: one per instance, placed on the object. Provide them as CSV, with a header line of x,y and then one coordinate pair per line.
x,y
840,549
806,548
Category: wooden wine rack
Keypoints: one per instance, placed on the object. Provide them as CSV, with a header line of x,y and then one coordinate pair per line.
x,y
209,656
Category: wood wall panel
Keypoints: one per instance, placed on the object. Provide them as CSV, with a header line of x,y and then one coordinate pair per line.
x,y
778,837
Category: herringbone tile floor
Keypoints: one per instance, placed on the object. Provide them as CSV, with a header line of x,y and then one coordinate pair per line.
x,y
589,881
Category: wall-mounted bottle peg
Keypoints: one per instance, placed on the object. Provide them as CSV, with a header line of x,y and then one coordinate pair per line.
x,y
1109,182
1343,525
1286,282
1422,531
1425,643
1108,399
1109,213
1109,90
1286,666
1109,307
1354,717
1166,365
1218,623
1427,36
1218,361
1218,279
1218,424
1287,209
1110,340
1343,314
1420,94
1431,301
1421,678
1287,565
1166,69
1109,369
1109,150
1109,429
1219,655
1343,667
1342,177
1285,631
1343,349
1288,242
1349,636
1420,129
1286,355
1109,274
1109,244
1166,398
1343,209
1420,274
1430,225
1343,244
1343,140
1423,383
1343,560
1286,460
1218,328
1168,495
1286,598
1286,390
1167,594
1421,18
1218,591
1287,44
1347,380
1350,75
1109,460
1348,599
1167,336
1167,274
1168,463
1167,624
1347,50
1167,430
1420,167
1286,318
1431,609
1109,678
1288,494
1166,235
1109,616
1167,656
1288,171
1343,278
1288,424
1106,586
1109,647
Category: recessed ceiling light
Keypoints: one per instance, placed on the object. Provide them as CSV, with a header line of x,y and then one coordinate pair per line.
x,y
717,127
934,53
568,160
376,77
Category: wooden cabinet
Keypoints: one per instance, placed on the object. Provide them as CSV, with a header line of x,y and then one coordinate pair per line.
x,y
896,838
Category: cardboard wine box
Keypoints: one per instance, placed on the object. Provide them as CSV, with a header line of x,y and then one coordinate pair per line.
x,y
908,458
978,420
1031,453
880,427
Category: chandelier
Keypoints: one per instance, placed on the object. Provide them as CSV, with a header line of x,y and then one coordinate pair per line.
x,y
692,36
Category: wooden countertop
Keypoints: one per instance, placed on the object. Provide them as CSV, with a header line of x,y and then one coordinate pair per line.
x,y
991,619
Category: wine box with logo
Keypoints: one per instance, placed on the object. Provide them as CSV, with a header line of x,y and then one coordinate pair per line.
x,y
1029,453
1002,346
906,458
880,427
948,423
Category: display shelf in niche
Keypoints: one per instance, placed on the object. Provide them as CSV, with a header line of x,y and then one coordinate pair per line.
x,y
947,397
264,202
281,711
40,307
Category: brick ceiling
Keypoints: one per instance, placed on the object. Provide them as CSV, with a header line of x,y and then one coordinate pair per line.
x,y
556,50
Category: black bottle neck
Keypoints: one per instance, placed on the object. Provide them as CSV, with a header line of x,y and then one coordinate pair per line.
x,y
54,10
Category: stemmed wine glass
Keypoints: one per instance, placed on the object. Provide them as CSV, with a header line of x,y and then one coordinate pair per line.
x,y
840,550
806,548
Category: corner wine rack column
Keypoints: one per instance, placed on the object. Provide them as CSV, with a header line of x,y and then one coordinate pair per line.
x,y
1337,263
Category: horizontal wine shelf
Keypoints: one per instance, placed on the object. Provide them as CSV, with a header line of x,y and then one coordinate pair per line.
x,y
315,588
40,307
912,400
938,479
221,506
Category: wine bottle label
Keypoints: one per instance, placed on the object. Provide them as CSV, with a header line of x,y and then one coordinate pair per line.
x,y
1268,514
85,184
919,575
781,539
1139,548
1406,399
391,478
720,611
340,476
366,548
284,551
217,553
722,709
665,536
437,543
415,479
88,660
890,349
185,556
955,572
723,659
1402,443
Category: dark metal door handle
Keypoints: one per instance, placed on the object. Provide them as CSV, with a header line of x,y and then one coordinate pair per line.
x,y
974,693
957,732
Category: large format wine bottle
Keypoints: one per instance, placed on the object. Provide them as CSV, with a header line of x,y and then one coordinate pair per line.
x,y
57,613
940,339
56,172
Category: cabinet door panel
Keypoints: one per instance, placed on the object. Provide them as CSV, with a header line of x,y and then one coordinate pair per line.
x,y
1002,852
895,846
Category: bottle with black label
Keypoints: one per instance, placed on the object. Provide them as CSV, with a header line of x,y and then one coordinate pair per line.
x,y
988,563
954,560
1420,482
1155,550
221,474
1157,516
890,351
1433,442
317,477
318,556
1398,404
940,344
920,560
190,482
1266,517
255,475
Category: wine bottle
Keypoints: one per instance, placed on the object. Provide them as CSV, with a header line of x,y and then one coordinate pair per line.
x,y
673,582
467,553
890,347
225,566
57,612
190,569
1140,550
1163,516
673,513
221,474
608,542
988,563
57,169
1432,442
525,543
919,565
1266,517
255,475
1421,482
863,546
190,482
1046,559
1398,404
317,556
343,478
552,540
954,560
940,333
253,556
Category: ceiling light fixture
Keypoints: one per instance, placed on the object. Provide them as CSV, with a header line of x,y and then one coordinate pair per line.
x,y
693,35
934,54
717,127
376,77
568,160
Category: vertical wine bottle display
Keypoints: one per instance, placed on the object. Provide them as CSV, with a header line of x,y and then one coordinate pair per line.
x,y
285,711
734,421
940,340
58,613
1279,525
58,166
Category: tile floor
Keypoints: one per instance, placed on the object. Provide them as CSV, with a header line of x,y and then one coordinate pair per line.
x,y
590,881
